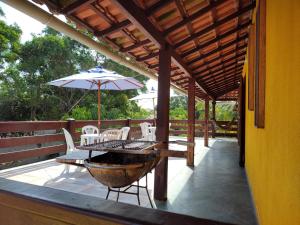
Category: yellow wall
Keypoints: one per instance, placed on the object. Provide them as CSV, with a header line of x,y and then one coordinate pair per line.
x,y
273,153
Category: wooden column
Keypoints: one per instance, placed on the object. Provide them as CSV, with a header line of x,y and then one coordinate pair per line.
x,y
214,109
206,122
213,134
241,121
191,122
71,127
162,124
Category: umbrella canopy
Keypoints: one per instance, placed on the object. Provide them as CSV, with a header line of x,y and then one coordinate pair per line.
x,y
90,80
151,95
98,79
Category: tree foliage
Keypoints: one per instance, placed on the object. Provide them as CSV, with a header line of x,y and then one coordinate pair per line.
x,y
9,42
25,94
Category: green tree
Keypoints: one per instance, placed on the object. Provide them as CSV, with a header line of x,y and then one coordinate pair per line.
x,y
9,42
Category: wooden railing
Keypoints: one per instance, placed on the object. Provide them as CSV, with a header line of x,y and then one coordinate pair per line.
x,y
32,139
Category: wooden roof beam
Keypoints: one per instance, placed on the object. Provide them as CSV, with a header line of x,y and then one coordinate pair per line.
x,y
136,45
234,64
153,66
194,16
69,9
221,56
180,79
157,6
218,38
225,87
236,57
223,92
216,24
150,56
220,79
217,72
114,28
221,83
220,48
177,74
138,17
226,71
220,94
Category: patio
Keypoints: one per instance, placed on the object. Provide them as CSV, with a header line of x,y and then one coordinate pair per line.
x,y
215,189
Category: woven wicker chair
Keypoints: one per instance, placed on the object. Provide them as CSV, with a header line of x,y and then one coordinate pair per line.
x,y
112,134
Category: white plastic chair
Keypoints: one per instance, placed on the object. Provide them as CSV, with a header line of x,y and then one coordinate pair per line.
x,y
89,129
112,134
146,135
69,141
125,132
74,155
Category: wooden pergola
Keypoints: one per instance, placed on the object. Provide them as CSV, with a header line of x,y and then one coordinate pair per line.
x,y
197,45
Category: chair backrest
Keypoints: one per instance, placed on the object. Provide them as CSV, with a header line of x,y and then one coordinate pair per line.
x,y
69,141
89,129
145,128
112,134
125,131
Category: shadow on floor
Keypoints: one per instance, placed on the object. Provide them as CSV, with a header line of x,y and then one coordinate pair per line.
x,y
217,188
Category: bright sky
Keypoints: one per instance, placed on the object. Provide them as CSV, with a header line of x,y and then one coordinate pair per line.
x,y
31,26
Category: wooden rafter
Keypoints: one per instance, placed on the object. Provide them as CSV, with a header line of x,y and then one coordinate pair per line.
x,y
136,45
236,41
138,17
219,71
213,26
76,5
220,64
220,93
150,56
226,89
218,38
225,70
114,28
215,70
208,62
191,18
157,6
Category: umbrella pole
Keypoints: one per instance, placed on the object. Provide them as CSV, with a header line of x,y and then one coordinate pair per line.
x,y
99,106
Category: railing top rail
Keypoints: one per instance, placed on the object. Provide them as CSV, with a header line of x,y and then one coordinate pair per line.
x,y
27,126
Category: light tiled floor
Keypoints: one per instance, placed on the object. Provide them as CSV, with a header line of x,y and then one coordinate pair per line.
x,y
216,188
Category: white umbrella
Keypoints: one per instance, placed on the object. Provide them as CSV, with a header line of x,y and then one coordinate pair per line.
x,y
98,79
151,95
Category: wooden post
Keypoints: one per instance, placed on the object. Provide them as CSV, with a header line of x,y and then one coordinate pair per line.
x,y
213,118
162,124
71,127
128,124
191,121
206,122
241,121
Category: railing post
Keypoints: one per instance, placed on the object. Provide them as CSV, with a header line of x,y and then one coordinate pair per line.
x,y
71,126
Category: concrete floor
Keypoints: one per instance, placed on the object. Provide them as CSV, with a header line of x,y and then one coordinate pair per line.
x,y
216,188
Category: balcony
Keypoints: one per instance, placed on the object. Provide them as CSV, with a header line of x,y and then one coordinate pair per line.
x,y
215,189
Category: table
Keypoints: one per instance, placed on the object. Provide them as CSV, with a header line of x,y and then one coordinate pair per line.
x,y
87,139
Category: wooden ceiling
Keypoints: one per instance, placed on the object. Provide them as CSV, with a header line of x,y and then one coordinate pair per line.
x,y
208,38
